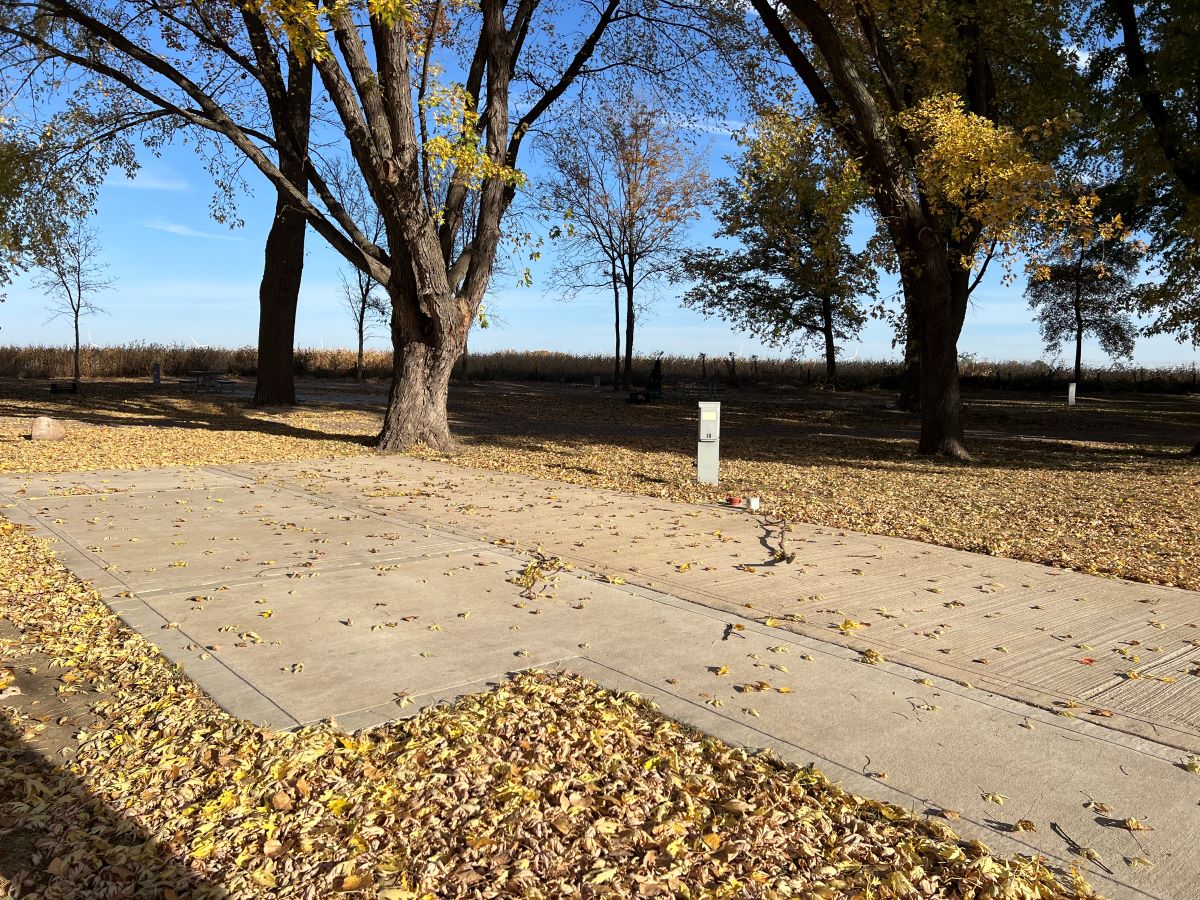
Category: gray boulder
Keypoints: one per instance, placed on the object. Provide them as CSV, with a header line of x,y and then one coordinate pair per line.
x,y
47,429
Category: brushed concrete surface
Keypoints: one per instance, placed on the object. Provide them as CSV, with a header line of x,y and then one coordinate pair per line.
x,y
363,590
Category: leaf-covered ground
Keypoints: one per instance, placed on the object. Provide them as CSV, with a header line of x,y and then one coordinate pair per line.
x,y
123,427
1102,488
548,786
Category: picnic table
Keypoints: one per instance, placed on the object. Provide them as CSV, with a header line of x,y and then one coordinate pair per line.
x,y
204,380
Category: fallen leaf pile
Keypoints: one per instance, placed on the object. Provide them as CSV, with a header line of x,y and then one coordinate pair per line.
x,y
546,786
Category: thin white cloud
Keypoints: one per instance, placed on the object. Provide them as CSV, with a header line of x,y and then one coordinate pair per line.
x,y
725,127
187,231
722,127
149,183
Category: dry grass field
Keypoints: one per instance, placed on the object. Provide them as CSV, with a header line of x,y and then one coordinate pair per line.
x,y
770,374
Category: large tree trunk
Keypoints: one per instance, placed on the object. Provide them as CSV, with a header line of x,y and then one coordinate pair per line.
x,y
941,301
416,410
277,299
422,364
283,263
830,346
941,401
629,322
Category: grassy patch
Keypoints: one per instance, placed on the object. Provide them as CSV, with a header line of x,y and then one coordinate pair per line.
x,y
126,427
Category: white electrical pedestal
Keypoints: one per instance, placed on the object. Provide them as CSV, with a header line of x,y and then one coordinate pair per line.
x,y
1071,394
708,446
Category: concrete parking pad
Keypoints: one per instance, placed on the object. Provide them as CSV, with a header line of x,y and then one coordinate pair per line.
x,y
1037,634
364,589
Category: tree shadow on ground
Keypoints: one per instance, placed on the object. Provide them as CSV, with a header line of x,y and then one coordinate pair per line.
x,y
57,839
1027,432
858,452
121,405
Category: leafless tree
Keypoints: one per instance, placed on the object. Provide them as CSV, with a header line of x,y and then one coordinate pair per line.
x,y
628,190
361,293
72,275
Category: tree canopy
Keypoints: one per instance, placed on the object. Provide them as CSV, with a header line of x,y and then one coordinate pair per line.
x,y
1092,294
952,134
794,277
1145,70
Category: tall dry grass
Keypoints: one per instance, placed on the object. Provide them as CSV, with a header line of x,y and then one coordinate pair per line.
x,y
860,374
136,361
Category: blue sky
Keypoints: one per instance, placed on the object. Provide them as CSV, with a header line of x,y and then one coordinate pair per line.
x,y
183,278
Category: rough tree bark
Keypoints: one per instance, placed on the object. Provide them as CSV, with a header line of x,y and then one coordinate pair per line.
x,y
283,257
422,364
278,297
942,302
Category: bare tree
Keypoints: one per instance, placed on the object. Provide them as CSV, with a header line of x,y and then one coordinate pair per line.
x,y
360,291
629,189
366,307
72,276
